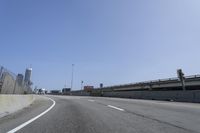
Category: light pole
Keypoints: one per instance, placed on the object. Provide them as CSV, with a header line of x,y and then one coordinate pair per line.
x,y
72,76
65,84
81,85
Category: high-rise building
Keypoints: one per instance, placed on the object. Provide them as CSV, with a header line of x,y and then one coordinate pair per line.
x,y
101,85
28,73
20,78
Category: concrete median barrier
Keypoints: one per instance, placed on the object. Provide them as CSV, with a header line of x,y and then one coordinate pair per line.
x,y
180,96
12,103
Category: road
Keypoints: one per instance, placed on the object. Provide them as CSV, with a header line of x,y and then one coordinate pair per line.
x,y
73,114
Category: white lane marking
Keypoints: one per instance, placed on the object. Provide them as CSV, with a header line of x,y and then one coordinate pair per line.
x,y
91,100
33,119
115,108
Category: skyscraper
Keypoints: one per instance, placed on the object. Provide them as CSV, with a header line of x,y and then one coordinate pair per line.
x,y
19,79
28,73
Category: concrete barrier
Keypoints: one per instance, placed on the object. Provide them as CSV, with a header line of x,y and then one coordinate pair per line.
x,y
80,93
12,103
181,96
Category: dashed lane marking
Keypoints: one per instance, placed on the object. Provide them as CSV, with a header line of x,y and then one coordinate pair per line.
x,y
120,109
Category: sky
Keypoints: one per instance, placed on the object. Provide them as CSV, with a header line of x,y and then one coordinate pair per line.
x,y
108,41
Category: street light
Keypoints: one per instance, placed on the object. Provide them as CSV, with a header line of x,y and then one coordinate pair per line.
x,y
65,84
82,85
72,76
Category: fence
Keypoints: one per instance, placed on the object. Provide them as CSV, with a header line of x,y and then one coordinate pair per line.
x,y
10,84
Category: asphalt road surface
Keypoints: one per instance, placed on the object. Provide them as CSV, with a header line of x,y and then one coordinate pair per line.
x,y
73,114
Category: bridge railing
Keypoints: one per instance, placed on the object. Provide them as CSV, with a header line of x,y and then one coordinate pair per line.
x,y
152,82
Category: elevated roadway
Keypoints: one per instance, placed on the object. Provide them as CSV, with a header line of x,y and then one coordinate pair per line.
x,y
191,83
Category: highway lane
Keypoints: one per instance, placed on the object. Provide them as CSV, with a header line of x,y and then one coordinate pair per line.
x,y
73,114
13,120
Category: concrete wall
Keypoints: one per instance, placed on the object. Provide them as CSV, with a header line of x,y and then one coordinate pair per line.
x,y
178,95
183,96
13,103
80,93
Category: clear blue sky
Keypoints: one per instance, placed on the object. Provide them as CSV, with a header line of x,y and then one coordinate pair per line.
x,y
109,41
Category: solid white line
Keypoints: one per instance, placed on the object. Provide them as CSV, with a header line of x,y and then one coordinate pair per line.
x,y
91,100
115,108
33,119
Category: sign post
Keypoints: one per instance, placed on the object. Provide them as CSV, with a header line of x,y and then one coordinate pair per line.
x,y
181,77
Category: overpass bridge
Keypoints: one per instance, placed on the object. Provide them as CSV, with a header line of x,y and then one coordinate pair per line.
x,y
191,83
170,89
163,89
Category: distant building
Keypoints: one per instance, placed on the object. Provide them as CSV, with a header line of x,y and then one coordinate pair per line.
x,y
101,85
88,88
27,78
36,90
42,91
56,92
20,79
66,91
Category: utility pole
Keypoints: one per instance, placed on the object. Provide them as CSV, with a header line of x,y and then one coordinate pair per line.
x,y
72,76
